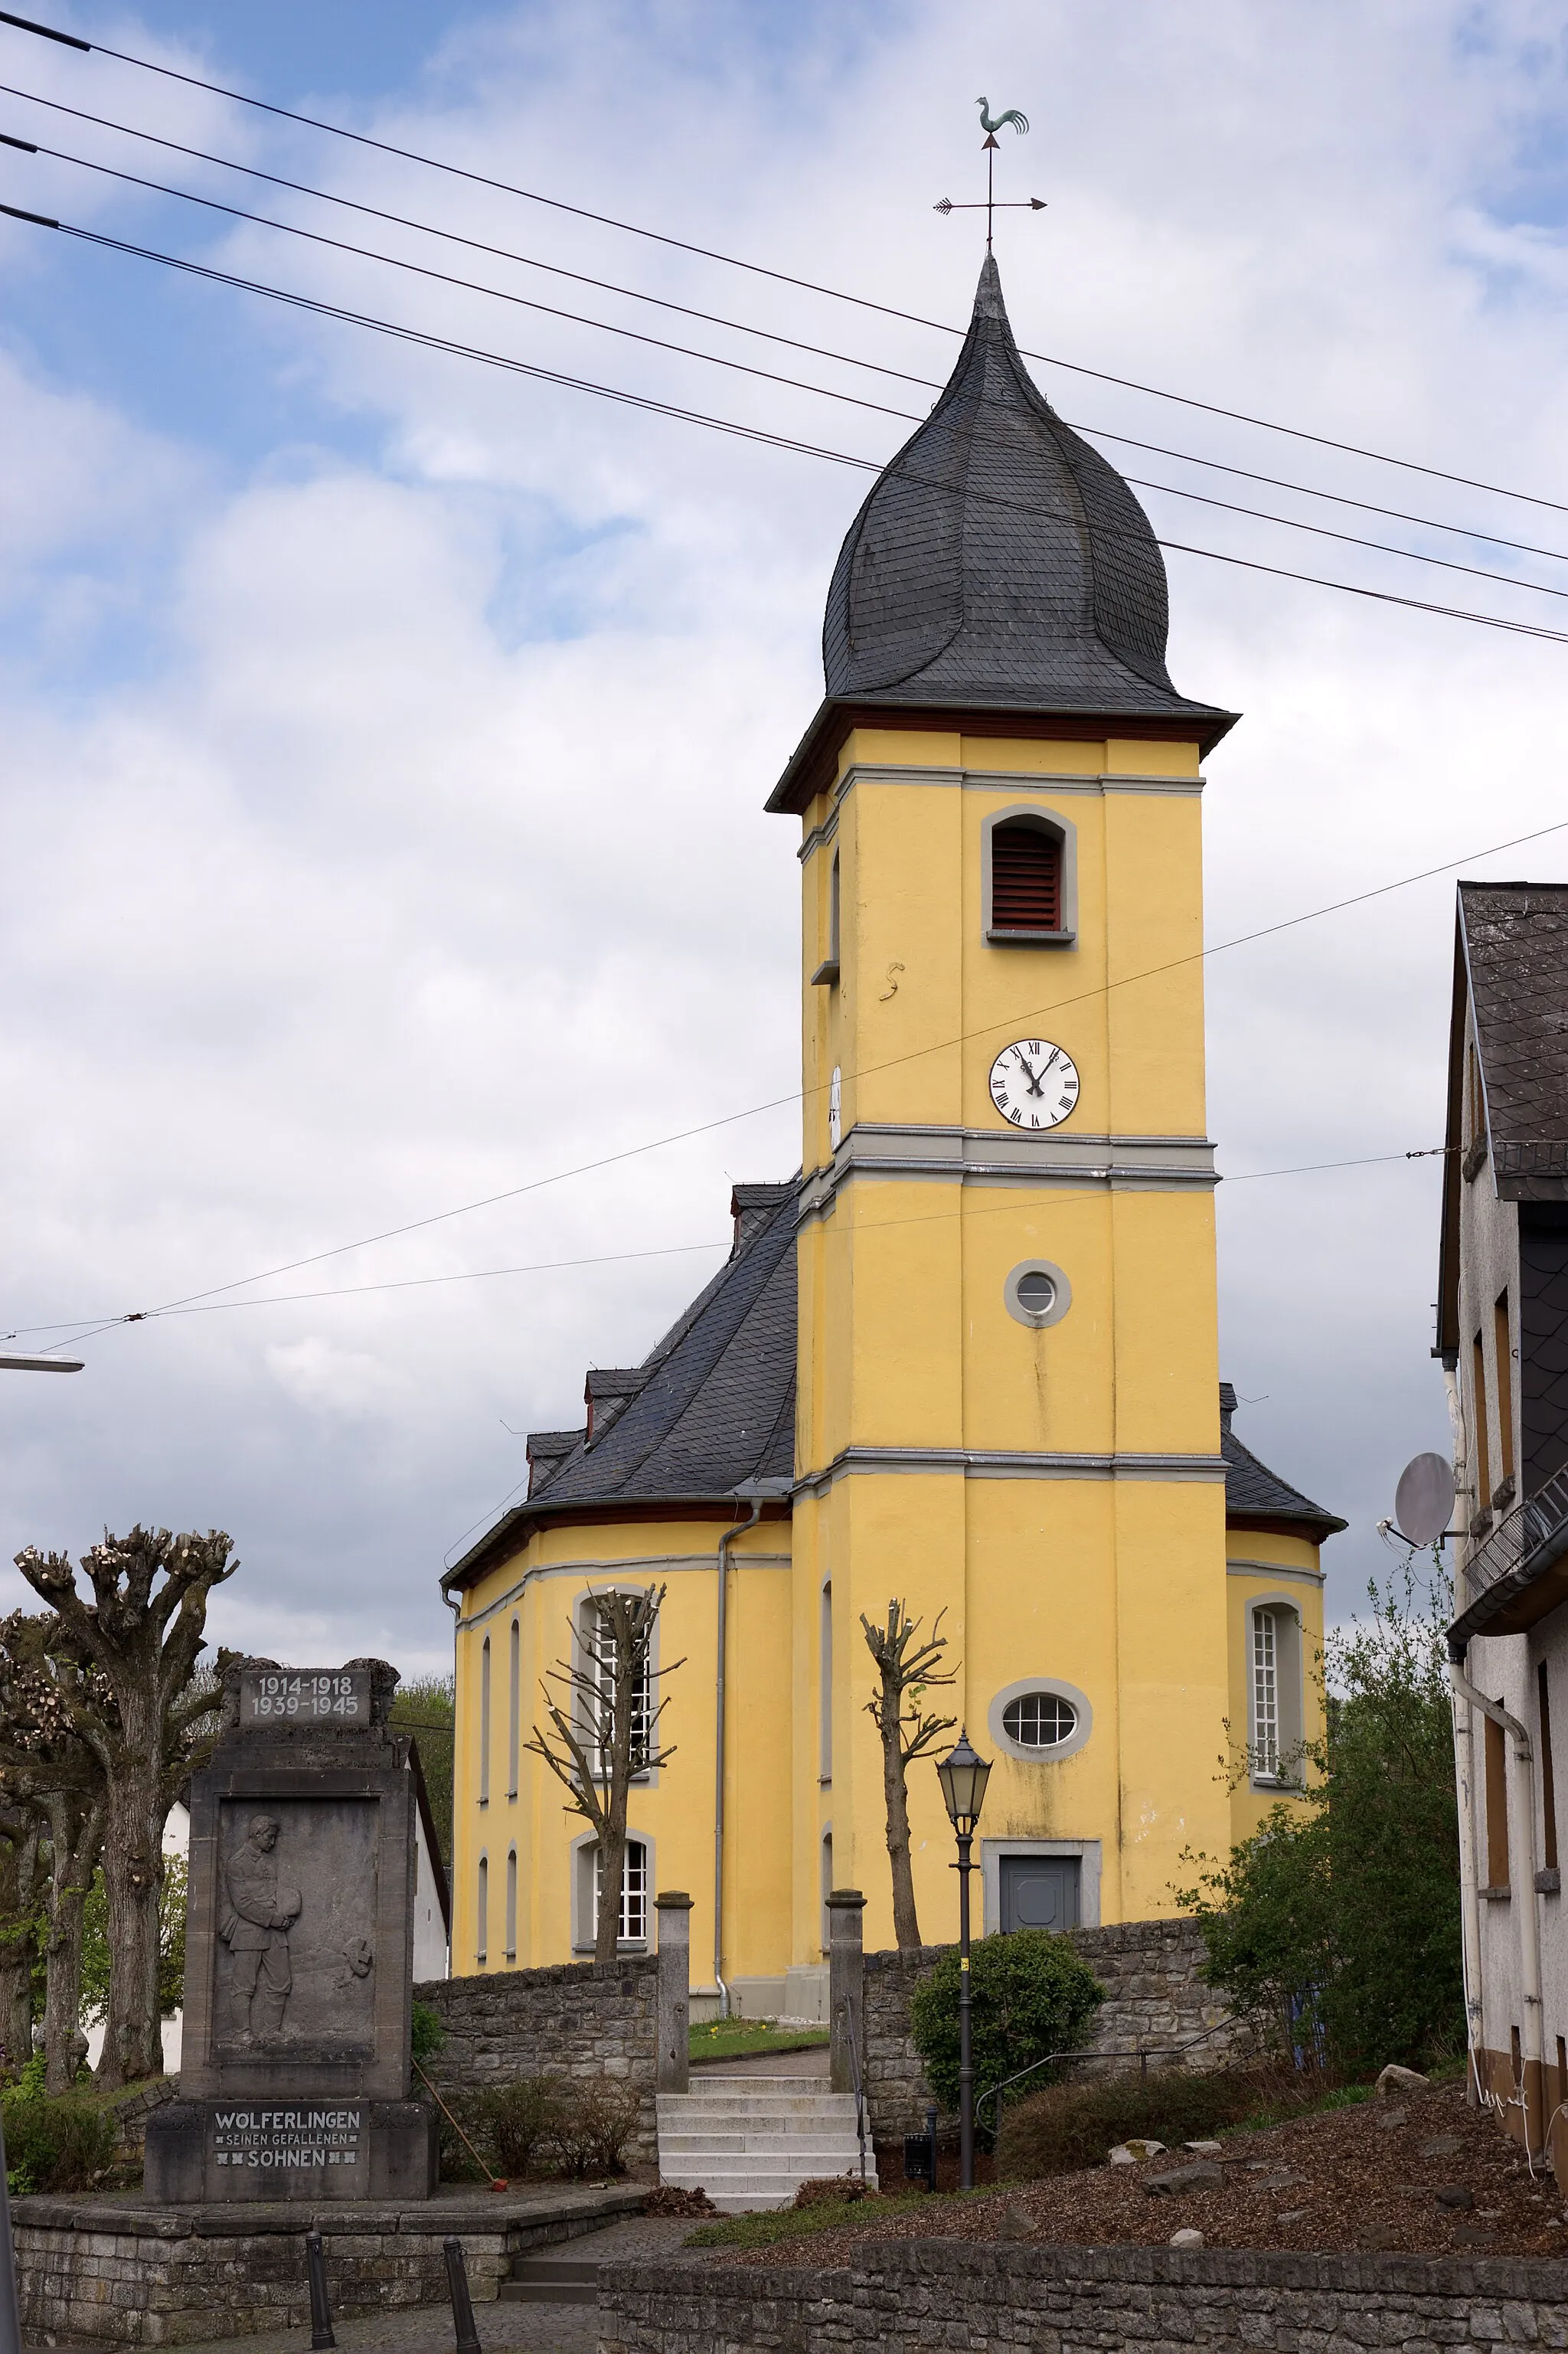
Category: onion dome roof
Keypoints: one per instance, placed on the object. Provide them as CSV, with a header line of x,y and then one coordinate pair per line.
x,y
1000,563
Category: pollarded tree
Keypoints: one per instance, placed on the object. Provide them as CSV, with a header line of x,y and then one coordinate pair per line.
x,y
603,1731
907,1669
149,1718
50,1772
22,1919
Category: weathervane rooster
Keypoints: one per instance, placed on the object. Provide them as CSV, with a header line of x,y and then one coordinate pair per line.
x,y
1019,121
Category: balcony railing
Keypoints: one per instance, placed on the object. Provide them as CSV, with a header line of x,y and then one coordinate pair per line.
x,y
1526,1541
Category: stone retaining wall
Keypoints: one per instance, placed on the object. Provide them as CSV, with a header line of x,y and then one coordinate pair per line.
x,y
916,2296
1156,1997
117,2274
575,2018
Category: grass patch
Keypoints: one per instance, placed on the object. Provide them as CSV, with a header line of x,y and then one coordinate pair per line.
x,y
739,2038
781,2223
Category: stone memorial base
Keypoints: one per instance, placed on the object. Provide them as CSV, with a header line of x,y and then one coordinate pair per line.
x,y
291,2148
112,2269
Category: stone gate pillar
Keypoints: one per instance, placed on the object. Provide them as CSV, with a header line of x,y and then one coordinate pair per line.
x,y
846,1986
673,1908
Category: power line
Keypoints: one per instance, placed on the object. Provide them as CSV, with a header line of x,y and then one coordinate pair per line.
x,y
798,1095
616,1258
742,367
755,268
709,318
758,434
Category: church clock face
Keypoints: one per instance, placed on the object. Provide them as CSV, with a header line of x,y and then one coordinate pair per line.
x,y
1033,1084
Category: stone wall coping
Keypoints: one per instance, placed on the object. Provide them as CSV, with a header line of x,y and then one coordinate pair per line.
x,y
1543,2279
1111,1938
457,2209
472,1987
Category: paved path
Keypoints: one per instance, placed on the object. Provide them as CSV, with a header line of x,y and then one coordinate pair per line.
x,y
528,2328
813,2062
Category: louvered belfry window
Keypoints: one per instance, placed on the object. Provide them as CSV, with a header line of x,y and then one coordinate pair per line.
x,y
1025,880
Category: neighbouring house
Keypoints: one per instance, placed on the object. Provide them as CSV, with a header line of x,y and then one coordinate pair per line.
x,y
1502,1335
967,1356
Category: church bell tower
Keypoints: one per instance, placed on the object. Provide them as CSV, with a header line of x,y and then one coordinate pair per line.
x,y
1008,1381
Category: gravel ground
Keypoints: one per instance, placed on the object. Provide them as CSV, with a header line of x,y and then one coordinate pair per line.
x,y
1367,2177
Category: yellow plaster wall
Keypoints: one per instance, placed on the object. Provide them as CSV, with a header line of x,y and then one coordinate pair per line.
x,y
674,1809
1269,1564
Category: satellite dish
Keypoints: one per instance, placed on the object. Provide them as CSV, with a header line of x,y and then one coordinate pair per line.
x,y
1424,1500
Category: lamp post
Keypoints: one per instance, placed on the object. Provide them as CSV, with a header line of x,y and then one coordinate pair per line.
x,y
963,1776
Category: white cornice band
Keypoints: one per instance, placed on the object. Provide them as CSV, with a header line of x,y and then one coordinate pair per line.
x,y
1010,781
981,1156
1006,1463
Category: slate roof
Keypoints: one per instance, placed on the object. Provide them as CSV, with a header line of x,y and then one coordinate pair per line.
x,y
1254,1492
712,1408
1514,943
1000,562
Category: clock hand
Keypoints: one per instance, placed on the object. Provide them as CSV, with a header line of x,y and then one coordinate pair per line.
x,y
1034,1082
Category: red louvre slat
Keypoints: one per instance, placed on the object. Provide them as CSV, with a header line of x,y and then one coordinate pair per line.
x,y
1025,880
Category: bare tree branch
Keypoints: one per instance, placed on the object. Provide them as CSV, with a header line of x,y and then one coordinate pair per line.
x,y
907,1669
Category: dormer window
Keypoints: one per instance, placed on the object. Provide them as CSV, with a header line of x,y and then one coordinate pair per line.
x,y
1028,880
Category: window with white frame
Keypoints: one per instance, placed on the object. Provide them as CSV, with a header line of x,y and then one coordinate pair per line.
x,y
1265,1696
598,1645
634,1926
1275,1694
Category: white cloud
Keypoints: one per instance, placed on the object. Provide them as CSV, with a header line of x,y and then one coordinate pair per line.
x,y
416,851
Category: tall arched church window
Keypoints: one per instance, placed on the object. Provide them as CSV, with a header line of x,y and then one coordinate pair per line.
x,y
512,1905
481,1911
514,1712
484,1724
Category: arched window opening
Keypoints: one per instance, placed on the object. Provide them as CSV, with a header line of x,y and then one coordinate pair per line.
x,y
826,1887
484,1724
481,1911
632,1928
825,1695
512,1905
1026,878
514,1712
1276,1695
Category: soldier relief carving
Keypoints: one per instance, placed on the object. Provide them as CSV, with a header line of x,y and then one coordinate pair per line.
x,y
296,1900
254,1920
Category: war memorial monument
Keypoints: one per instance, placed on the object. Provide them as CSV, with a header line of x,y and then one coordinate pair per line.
x,y
295,2078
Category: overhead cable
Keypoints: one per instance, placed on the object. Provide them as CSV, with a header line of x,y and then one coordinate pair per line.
x,y
798,1095
755,269
739,431
716,318
743,368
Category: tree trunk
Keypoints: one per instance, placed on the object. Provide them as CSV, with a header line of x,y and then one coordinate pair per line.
x,y
906,1925
76,1838
133,1881
18,1946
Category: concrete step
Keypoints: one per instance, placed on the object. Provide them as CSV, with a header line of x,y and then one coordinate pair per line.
x,y
680,2108
550,2280
757,2138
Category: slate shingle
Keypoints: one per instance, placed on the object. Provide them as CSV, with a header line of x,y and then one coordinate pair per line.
x,y
1515,942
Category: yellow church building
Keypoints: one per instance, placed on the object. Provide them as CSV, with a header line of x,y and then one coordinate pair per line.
x,y
967,1356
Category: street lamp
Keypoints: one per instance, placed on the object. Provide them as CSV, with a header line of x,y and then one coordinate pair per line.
x,y
963,1776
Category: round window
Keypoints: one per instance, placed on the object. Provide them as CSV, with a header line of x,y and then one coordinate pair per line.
x,y
1039,1719
1037,1293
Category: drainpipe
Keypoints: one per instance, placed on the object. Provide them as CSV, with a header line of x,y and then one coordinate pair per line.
x,y
1521,1810
1465,1787
724,1543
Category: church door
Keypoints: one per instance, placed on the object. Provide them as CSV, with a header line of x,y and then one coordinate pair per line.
x,y
1039,1892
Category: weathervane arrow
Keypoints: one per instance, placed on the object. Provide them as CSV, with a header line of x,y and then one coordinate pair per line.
x,y
990,207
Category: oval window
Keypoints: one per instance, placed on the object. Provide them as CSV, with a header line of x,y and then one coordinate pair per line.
x,y
1039,1719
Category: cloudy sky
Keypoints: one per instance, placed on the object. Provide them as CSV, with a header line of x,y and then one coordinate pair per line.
x,y
386,734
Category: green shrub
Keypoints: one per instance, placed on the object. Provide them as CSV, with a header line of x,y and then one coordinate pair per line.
x,y
1071,2125
1337,1924
426,2033
53,2146
1031,1995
